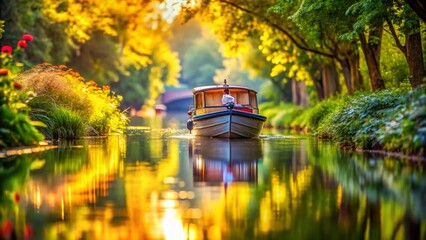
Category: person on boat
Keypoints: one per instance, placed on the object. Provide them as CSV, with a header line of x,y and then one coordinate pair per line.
x,y
226,98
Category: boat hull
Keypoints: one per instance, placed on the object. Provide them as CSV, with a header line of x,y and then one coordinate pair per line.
x,y
228,124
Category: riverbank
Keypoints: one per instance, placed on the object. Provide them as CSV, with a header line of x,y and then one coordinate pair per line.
x,y
388,121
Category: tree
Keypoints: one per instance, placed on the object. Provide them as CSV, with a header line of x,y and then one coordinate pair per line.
x,y
396,14
51,42
117,40
283,41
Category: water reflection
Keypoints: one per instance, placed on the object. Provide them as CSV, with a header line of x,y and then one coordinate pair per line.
x,y
225,160
150,187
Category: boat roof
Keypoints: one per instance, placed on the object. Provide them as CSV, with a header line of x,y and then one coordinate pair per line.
x,y
219,87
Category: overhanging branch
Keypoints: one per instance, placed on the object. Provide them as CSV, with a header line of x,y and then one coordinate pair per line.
x,y
281,29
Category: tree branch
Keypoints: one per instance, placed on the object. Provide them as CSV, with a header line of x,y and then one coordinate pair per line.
x,y
281,29
395,37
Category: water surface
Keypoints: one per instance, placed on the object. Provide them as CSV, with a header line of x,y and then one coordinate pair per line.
x,y
167,184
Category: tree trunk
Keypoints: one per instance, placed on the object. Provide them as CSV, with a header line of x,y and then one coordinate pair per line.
x,y
346,68
351,74
330,80
294,91
317,78
371,51
303,93
413,44
299,94
357,79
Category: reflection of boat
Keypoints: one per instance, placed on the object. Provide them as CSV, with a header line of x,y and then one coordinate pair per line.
x,y
224,160
238,118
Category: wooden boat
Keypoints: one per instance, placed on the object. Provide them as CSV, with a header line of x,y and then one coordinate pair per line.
x,y
237,118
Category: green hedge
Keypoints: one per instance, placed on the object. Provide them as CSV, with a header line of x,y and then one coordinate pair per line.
x,y
392,119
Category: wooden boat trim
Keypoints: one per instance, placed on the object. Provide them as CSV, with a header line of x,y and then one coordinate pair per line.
x,y
228,112
220,87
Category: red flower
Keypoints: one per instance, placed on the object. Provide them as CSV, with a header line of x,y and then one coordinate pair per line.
x,y
7,228
4,71
6,49
22,44
27,37
28,231
17,196
17,86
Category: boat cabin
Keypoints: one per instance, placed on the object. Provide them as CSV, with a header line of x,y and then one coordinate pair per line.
x,y
209,99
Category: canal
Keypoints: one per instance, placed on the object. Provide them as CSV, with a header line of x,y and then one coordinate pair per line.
x,y
159,182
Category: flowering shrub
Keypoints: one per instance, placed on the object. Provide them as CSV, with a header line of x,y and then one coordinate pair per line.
x,y
61,89
16,128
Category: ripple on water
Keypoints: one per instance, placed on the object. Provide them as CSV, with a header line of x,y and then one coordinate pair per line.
x,y
283,137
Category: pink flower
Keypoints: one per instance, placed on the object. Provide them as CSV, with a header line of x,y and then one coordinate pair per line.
x,y
22,44
4,71
6,49
27,37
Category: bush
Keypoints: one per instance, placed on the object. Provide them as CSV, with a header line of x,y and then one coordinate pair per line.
x,y
16,128
392,119
406,130
321,110
60,88
286,116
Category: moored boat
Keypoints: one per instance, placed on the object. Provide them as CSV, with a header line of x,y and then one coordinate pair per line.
x,y
225,111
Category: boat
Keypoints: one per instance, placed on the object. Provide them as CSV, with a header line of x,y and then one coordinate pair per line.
x,y
225,111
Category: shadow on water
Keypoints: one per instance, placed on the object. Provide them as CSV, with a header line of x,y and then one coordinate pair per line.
x,y
151,185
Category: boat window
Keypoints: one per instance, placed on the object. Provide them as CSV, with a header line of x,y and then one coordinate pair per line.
x,y
241,97
214,98
199,103
253,100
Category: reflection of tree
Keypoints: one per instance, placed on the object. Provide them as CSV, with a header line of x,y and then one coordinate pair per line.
x,y
73,177
14,173
376,189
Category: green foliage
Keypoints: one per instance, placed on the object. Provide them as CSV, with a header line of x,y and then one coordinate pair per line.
x,y
406,130
394,67
281,116
392,120
362,116
67,124
65,101
200,62
99,59
16,128
287,115
320,111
